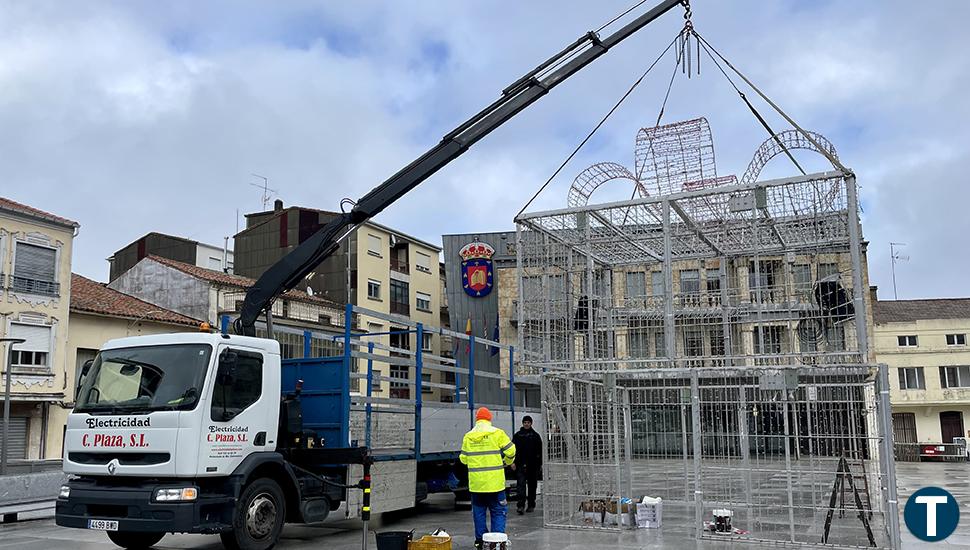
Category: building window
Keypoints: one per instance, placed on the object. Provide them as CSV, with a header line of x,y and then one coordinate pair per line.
x,y
827,270
904,428
690,286
35,270
422,261
637,338
907,341
802,275
557,297
693,342
400,390
424,301
33,354
717,342
657,282
835,337
400,298
426,341
425,380
374,245
768,282
955,377
713,287
373,289
29,358
659,340
400,338
956,339
911,378
636,285
772,339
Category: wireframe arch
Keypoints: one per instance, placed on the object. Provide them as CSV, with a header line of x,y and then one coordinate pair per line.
x,y
772,147
590,179
673,156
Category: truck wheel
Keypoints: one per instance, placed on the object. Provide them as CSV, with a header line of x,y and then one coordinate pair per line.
x,y
258,519
133,540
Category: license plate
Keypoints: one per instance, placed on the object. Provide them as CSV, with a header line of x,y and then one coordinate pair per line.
x,y
102,525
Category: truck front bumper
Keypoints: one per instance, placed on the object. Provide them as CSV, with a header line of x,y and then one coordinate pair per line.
x,y
133,507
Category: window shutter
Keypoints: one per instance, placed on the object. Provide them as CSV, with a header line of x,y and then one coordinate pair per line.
x,y
38,337
35,262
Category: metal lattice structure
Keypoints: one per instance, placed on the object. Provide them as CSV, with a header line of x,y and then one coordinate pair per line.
x,y
715,271
763,442
654,320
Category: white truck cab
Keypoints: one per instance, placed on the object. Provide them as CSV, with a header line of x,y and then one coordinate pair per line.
x,y
154,405
166,431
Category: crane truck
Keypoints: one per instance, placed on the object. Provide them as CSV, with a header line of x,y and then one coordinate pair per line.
x,y
213,432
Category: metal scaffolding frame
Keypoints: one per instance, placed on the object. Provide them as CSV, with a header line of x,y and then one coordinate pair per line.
x,y
778,274
668,323
767,443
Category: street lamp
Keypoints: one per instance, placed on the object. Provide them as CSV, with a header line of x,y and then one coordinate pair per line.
x,y
6,399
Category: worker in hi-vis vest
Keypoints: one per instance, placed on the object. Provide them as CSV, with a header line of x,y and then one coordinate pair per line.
x,y
487,450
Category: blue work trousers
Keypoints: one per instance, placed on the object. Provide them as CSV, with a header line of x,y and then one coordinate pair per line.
x,y
491,503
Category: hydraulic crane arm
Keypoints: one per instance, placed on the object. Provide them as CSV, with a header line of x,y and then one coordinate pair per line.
x,y
292,268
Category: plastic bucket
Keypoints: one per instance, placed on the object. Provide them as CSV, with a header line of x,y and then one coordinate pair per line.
x,y
393,540
495,541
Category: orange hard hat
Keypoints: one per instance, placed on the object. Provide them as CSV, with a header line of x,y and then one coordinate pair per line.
x,y
483,414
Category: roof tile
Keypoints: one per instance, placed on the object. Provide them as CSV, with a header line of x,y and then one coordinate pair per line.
x,y
908,311
93,297
13,206
239,281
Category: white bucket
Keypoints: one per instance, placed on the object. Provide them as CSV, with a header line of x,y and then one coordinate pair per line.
x,y
495,541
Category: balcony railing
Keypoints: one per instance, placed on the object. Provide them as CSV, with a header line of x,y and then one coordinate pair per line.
x,y
400,308
34,286
399,265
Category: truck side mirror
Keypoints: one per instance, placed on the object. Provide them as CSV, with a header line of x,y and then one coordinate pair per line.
x,y
85,368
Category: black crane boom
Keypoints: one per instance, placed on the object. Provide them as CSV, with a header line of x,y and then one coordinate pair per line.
x,y
292,268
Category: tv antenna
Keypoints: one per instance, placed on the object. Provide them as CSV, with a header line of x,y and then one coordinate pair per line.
x,y
265,187
895,256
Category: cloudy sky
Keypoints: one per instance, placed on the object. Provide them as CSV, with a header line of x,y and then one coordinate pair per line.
x,y
133,117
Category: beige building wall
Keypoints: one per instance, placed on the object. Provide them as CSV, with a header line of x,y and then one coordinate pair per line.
x,y
738,291
422,277
38,392
931,353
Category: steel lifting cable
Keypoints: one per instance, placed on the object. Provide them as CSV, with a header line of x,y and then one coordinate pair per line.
x,y
831,158
663,106
598,126
704,44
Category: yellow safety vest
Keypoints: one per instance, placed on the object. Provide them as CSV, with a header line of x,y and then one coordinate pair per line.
x,y
486,450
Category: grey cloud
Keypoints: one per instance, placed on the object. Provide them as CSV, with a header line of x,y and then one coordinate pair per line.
x,y
132,117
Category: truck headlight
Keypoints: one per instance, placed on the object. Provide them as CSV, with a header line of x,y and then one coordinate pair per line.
x,y
65,492
183,494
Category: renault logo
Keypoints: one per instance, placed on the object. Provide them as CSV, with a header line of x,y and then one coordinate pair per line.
x,y
113,466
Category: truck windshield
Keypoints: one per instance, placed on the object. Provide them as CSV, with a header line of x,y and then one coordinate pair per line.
x,y
143,379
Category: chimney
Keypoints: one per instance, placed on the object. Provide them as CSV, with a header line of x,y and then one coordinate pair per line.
x,y
873,294
278,205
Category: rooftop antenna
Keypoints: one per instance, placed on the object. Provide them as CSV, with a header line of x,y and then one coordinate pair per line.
x,y
265,188
895,256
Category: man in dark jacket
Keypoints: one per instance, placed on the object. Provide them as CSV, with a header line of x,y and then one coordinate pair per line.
x,y
528,464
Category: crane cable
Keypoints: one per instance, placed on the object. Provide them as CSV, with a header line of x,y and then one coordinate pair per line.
x,y
822,150
598,126
704,45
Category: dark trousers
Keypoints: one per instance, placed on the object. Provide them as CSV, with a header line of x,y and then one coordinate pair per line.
x,y
527,476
